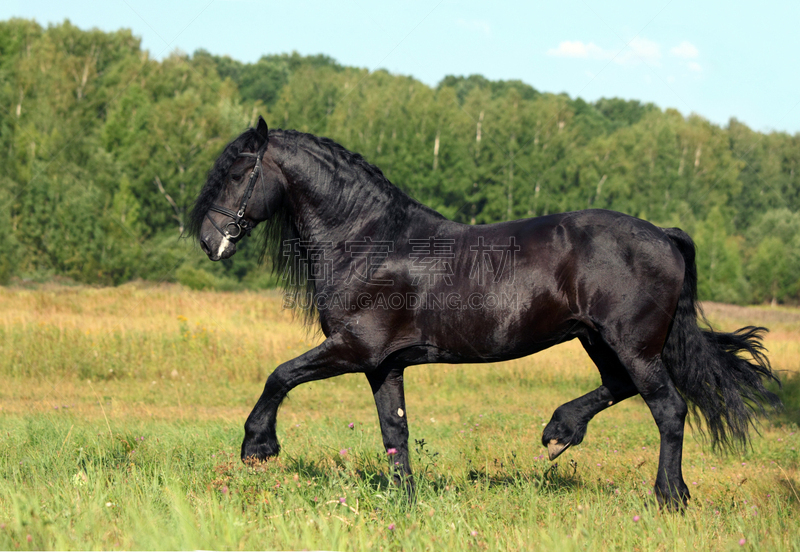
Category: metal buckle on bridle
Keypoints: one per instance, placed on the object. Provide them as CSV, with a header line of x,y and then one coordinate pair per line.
x,y
230,235
239,224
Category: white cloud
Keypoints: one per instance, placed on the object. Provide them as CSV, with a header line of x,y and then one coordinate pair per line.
x,y
694,67
685,50
475,25
638,50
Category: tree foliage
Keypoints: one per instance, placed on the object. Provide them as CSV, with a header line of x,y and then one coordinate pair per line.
x,y
104,149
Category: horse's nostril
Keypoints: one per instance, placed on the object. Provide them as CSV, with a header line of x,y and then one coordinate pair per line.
x,y
204,247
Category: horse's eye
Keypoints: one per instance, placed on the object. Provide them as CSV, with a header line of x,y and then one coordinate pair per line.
x,y
237,177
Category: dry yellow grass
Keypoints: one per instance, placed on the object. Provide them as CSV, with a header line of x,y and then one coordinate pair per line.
x,y
140,333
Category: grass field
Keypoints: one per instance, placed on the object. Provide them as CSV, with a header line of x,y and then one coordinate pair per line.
x,y
122,413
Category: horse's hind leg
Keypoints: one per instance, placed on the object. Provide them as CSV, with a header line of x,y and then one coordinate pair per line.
x,y
567,427
387,388
642,358
669,411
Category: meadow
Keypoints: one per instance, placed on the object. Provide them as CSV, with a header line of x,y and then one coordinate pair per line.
x,y
123,408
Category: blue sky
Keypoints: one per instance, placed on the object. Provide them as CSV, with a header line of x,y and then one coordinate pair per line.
x,y
717,59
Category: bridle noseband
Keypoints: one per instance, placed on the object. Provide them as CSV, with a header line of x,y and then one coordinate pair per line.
x,y
239,223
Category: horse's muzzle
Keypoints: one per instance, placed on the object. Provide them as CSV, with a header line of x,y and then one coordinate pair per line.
x,y
225,249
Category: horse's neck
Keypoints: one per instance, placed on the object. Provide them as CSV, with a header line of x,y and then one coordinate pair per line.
x,y
336,207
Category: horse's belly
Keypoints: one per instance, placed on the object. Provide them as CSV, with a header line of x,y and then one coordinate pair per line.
x,y
498,327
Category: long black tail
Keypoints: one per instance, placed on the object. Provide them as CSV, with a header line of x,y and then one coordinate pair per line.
x,y
706,366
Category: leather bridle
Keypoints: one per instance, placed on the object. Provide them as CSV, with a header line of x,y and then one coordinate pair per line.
x,y
239,223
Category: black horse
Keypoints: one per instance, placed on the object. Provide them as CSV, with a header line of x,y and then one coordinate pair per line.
x,y
394,284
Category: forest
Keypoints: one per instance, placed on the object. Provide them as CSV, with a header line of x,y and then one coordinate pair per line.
x,y
103,150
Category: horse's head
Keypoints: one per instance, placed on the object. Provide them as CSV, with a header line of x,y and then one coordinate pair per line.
x,y
243,188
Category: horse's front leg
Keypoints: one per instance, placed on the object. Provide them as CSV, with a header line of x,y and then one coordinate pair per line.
x,y
387,388
331,358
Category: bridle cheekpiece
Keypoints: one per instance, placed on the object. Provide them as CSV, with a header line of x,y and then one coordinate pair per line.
x,y
239,224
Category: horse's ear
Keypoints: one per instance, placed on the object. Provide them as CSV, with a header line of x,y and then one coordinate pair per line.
x,y
261,128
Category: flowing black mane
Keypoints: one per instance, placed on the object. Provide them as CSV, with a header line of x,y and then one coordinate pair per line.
x,y
351,165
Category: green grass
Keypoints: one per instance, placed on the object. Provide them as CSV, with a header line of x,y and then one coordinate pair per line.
x,y
122,413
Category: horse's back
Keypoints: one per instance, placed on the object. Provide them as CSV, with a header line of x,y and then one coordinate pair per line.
x,y
564,275
592,244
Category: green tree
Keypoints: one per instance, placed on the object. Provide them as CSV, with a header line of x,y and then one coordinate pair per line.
x,y
106,149
774,264
719,263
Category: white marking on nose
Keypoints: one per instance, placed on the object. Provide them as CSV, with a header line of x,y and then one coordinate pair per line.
x,y
400,412
223,245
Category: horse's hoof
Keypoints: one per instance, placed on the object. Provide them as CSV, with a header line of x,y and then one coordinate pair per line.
x,y
554,449
675,501
259,452
675,506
